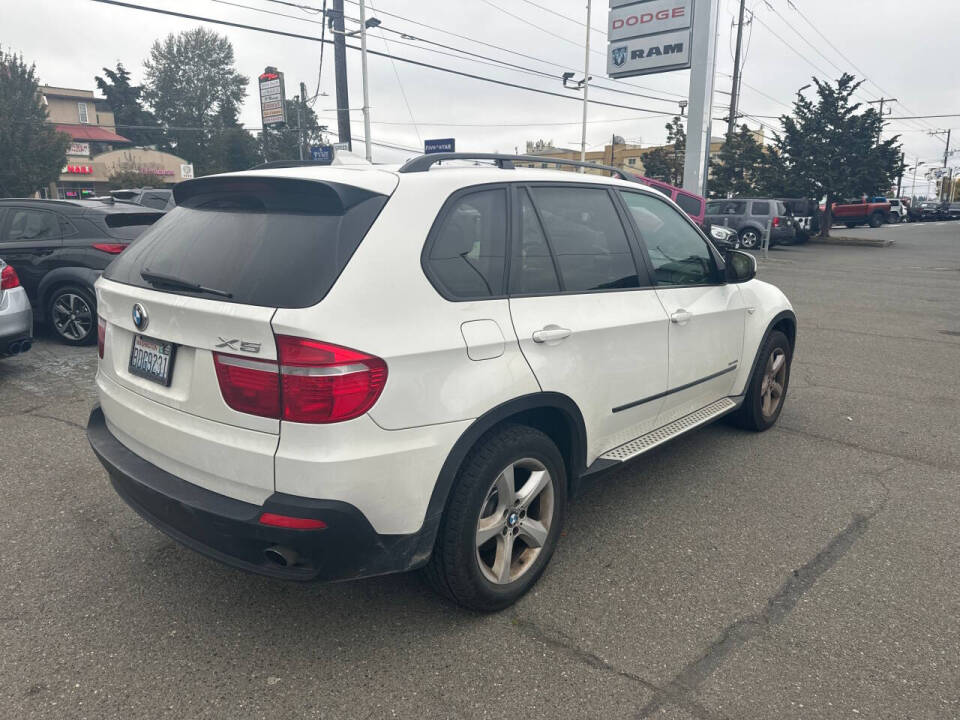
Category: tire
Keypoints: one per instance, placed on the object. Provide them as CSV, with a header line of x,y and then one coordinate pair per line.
x,y
875,220
72,315
752,414
469,571
749,239
850,225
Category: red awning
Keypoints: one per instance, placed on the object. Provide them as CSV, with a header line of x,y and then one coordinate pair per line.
x,y
91,132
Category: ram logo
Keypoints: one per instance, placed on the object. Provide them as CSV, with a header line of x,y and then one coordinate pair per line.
x,y
619,55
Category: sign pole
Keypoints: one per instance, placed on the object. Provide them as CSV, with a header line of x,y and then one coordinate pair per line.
x,y
700,110
586,87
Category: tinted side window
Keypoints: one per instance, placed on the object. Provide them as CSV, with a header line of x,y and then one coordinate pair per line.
x,y
467,254
726,207
33,225
587,238
531,266
761,208
679,255
689,204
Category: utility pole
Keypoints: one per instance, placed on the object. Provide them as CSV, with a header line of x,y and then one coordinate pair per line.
x,y
586,87
363,71
735,88
946,153
340,70
881,101
301,102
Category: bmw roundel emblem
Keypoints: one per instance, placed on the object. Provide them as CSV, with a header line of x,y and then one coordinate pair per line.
x,y
140,317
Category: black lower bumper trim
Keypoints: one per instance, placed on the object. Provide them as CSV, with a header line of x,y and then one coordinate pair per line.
x,y
228,530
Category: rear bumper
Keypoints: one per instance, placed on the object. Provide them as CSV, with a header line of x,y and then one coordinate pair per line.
x,y
228,530
16,319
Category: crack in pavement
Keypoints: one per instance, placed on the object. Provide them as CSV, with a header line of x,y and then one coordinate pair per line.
x,y
558,641
777,610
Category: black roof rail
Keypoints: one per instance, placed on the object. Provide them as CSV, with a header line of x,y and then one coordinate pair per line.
x,y
422,163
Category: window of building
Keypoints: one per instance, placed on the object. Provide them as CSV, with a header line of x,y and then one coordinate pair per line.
x,y
531,266
587,238
467,254
678,253
82,111
631,161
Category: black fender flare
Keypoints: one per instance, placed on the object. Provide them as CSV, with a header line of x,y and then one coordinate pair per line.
x,y
774,321
451,466
82,276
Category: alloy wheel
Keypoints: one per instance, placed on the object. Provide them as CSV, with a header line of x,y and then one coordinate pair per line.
x,y
72,316
774,379
750,239
515,521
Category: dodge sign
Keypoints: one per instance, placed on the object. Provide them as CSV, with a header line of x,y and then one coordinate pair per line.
x,y
648,36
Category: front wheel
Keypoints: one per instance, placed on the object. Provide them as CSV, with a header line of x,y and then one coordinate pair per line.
x,y
503,520
876,220
750,239
72,313
767,388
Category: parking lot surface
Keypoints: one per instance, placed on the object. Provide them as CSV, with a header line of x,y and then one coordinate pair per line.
x,y
809,572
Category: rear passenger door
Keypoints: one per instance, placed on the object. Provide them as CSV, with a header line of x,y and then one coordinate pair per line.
x,y
706,315
588,322
29,240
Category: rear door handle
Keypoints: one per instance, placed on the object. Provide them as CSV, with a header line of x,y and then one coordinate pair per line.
x,y
551,334
681,317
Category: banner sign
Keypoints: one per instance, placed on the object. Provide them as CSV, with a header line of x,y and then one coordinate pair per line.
x,y
79,148
321,153
649,36
272,94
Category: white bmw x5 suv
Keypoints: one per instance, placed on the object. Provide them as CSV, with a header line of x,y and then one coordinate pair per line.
x,y
323,373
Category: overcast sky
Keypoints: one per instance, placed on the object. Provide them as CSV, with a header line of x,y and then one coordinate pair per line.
x,y
889,40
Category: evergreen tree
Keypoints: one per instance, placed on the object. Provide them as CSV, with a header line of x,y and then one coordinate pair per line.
x,y
739,166
32,152
666,162
128,112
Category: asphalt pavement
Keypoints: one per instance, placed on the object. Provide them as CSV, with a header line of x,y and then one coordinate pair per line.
x,y
812,571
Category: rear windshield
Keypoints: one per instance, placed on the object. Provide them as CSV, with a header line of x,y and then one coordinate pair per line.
x,y
129,226
274,243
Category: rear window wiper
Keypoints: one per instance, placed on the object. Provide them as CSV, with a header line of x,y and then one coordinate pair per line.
x,y
175,282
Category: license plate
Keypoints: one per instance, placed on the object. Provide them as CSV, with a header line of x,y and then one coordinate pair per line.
x,y
152,359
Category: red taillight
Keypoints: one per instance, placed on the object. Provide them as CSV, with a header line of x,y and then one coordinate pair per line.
x,y
8,278
112,248
313,382
776,222
291,523
250,386
101,336
324,383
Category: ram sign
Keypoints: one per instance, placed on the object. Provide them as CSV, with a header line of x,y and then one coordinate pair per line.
x,y
649,36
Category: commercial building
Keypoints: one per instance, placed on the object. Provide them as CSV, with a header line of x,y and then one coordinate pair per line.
x,y
97,151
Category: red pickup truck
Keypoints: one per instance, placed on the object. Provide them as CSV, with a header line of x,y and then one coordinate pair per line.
x,y
859,212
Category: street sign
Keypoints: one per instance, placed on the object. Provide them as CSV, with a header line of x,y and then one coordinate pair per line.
x,y
439,145
186,172
649,36
321,153
272,95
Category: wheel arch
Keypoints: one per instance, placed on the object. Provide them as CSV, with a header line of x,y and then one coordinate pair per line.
x,y
57,278
784,321
554,414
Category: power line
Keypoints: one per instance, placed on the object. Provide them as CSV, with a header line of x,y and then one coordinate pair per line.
x,y
396,73
283,33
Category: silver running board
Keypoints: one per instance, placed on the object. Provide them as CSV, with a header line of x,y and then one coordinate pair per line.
x,y
659,436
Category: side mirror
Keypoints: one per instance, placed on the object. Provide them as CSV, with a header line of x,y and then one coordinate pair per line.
x,y
740,266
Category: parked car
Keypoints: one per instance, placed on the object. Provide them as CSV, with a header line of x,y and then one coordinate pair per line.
x,y
724,238
328,373
156,198
59,248
898,211
951,211
692,204
861,212
932,210
804,214
16,316
750,217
